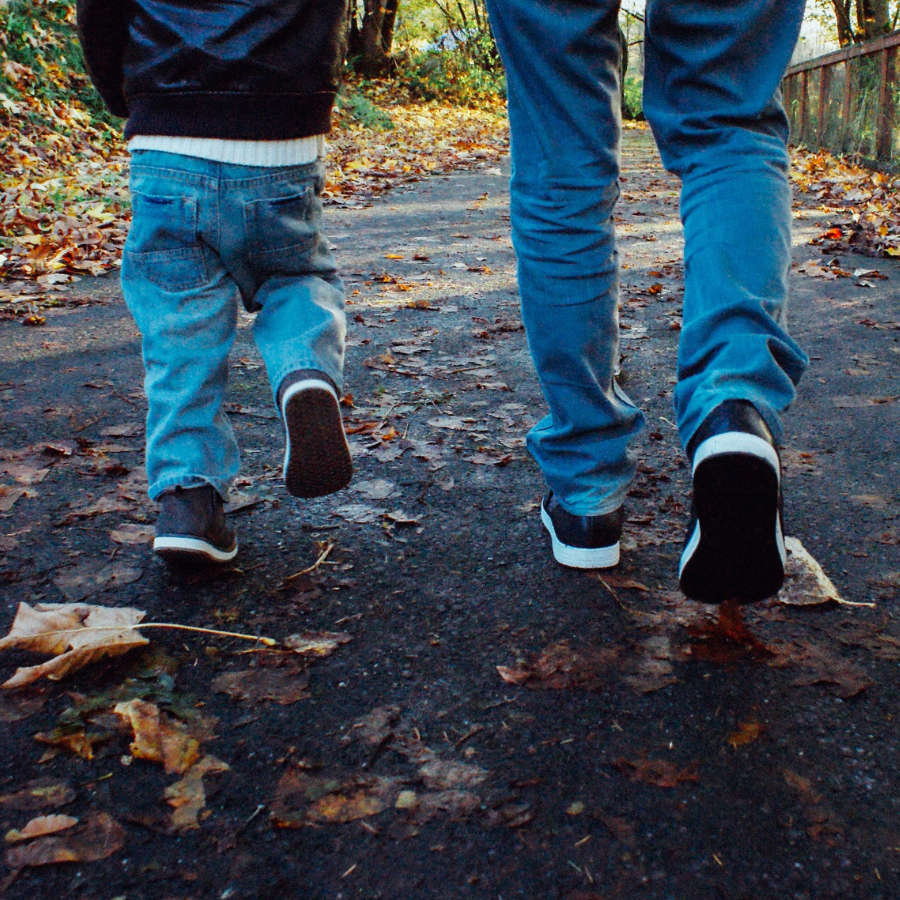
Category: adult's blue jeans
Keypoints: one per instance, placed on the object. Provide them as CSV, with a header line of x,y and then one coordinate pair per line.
x,y
711,95
204,235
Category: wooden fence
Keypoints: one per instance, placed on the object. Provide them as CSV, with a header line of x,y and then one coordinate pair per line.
x,y
848,101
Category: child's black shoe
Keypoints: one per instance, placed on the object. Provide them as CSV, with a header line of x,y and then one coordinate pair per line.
x,y
191,527
316,457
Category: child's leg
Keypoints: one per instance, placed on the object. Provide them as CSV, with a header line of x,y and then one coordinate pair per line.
x,y
287,273
185,304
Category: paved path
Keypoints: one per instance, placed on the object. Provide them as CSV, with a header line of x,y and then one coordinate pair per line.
x,y
630,748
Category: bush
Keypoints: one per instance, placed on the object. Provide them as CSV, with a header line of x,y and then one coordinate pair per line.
x,y
454,76
41,57
361,109
632,102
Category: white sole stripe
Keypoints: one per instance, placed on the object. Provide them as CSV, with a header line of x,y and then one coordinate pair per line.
x,y
580,557
194,545
737,442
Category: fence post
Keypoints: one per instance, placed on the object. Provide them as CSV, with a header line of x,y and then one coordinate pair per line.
x,y
803,92
885,132
845,112
824,84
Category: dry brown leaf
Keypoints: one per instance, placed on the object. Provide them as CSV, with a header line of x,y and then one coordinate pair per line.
x,y
806,583
39,827
282,685
188,797
157,738
43,793
447,775
746,733
60,628
93,577
132,533
98,838
317,644
301,798
559,667
659,772
822,667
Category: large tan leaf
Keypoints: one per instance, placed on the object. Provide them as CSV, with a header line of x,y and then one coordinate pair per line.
x,y
77,633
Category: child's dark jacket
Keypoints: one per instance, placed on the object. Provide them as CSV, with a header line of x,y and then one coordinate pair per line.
x,y
237,69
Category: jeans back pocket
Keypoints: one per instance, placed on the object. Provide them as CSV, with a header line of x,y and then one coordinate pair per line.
x,y
283,232
162,246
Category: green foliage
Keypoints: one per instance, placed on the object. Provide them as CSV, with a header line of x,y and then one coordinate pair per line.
x,y
632,91
360,108
40,35
451,76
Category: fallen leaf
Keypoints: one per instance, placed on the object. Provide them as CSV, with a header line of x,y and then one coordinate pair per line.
x,y
559,667
316,644
375,489
74,739
188,796
301,798
93,577
822,822
39,827
9,496
661,773
725,639
98,838
621,829
41,794
823,667
60,628
157,738
132,534
806,583
746,733
447,775
284,685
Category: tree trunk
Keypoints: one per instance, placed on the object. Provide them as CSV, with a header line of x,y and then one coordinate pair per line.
x,y
376,37
387,26
873,18
354,36
842,10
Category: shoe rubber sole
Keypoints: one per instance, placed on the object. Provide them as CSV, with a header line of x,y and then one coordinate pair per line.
x,y
580,557
181,550
316,457
736,549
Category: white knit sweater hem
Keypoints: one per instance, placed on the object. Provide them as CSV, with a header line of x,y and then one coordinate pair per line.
x,y
268,154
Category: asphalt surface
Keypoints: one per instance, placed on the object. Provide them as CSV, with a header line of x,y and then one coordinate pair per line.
x,y
632,750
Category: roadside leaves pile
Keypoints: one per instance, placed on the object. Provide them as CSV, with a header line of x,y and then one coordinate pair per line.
x,y
864,204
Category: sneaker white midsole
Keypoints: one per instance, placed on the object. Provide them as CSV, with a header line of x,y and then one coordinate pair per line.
x,y
580,557
737,442
194,545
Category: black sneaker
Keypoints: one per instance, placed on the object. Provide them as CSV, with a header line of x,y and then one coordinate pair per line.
x,y
191,527
582,542
316,457
734,548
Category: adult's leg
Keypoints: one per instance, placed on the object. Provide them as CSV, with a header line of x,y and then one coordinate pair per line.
x,y
185,306
562,68
711,94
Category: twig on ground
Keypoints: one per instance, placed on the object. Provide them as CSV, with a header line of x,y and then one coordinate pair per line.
x,y
324,555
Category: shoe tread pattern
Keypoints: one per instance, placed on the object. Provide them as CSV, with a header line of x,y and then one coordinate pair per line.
x,y
318,461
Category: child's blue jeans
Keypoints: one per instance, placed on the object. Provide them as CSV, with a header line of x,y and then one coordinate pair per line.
x,y
204,234
711,95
